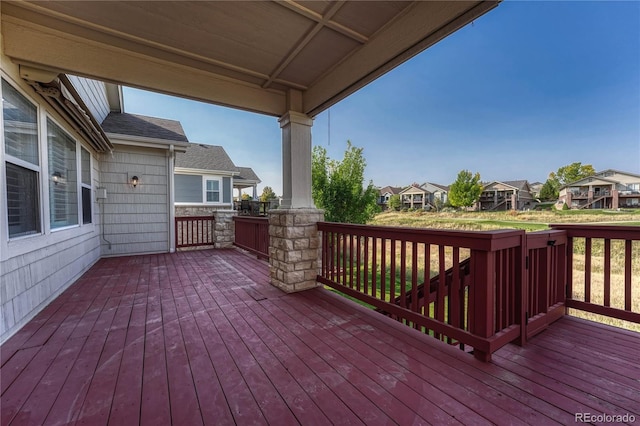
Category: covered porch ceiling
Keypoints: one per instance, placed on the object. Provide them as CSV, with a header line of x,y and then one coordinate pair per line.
x,y
265,56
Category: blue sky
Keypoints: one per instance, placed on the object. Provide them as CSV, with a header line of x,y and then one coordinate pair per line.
x,y
526,89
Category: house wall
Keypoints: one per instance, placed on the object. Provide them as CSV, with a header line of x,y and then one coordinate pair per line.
x,y
35,269
94,95
136,220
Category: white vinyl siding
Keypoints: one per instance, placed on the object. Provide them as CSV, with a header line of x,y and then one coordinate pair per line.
x,y
136,220
94,95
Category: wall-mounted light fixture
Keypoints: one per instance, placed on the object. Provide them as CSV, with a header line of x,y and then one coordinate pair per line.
x,y
134,181
56,177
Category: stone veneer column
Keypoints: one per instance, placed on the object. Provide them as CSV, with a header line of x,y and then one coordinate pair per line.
x,y
294,248
225,230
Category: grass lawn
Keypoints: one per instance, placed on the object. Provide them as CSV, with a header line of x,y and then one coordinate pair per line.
x,y
484,221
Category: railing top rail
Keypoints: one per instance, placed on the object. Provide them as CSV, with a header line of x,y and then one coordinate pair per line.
x,y
256,219
612,231
187,218
477,240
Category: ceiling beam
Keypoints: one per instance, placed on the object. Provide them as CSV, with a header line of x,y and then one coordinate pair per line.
x,y
310,14
303,42
34,45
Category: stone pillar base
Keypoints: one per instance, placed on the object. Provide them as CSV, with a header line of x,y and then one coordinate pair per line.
x,y
224,227
294,248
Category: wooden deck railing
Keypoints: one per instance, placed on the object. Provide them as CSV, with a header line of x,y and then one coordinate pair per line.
x,y
603,270
252,234
377,264
194,231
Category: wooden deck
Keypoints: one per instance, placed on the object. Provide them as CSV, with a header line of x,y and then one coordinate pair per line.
x,y
200,337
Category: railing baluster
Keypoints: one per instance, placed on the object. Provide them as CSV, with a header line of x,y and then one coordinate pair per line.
x,y
403,274
374,266
392,273
383,269
627,274
414,279
587,270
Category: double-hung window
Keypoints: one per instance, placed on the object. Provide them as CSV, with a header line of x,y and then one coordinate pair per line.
x,y
22,163
212,191
85,174
63,182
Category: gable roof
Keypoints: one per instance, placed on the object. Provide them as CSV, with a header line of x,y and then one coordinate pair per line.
x,y
143,126
618,172
414,189
522,185
589,179
390,189
205,157
247,173
437,185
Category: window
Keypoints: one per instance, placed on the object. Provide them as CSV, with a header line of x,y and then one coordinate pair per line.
x,y
212,192
85,173
63,182
22,162
188,189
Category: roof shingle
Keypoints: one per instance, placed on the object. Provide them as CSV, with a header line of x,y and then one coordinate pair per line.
x,y
143,126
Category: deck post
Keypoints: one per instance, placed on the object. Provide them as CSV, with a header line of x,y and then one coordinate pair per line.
x,y
483,297
294,242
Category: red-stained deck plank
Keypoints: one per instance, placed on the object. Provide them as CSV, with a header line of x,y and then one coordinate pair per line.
x,y
202,337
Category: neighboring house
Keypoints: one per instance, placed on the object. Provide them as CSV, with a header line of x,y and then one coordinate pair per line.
x,y
425,196
205,177
507,195
246,178
536,187
413,197
609,189
385,194
81,180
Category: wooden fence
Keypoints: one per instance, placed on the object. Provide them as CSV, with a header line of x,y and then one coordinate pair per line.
x,y
194,231
252,234
484,289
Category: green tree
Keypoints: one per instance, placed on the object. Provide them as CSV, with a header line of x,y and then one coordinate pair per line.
x,y
337,186
267,194
394,202
465,190
549,190
573,172
246,197
563,176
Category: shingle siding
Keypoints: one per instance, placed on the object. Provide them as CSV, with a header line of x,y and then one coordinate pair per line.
x,y
135,219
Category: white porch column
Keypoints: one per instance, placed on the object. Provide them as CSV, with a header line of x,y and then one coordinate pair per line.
x,y
296,160
294,242
255,192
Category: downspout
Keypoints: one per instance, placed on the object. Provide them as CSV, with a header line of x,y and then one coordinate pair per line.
x,y
170,199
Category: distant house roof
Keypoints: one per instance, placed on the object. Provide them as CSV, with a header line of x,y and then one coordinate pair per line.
x,y
247,173
390,189
604,173
143,126
522,185
437,185
205,157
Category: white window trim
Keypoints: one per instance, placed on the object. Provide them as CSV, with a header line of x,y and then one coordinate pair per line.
x,y
81,184
205,179
40,168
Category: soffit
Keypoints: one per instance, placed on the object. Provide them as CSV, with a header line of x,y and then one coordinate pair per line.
x,y
244,54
